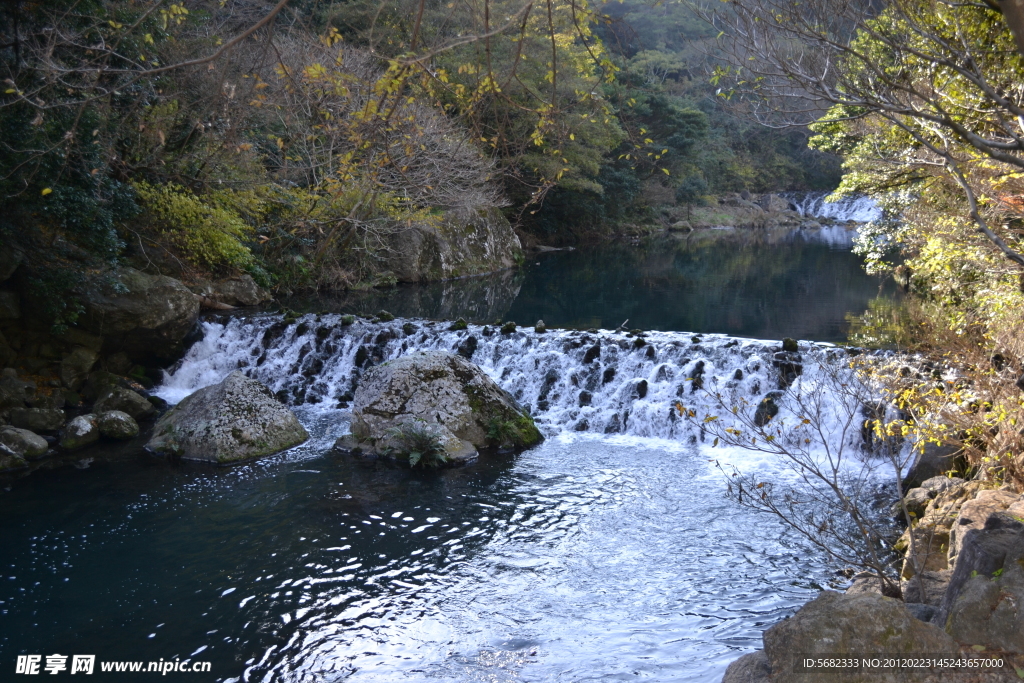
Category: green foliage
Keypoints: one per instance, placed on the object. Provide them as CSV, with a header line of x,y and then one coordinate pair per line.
x,y
210,232
420,444
518,432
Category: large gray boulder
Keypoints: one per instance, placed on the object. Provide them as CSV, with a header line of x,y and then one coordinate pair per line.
x,y
931,461
449,395
838,625
238,419
146,316
462,243
25,443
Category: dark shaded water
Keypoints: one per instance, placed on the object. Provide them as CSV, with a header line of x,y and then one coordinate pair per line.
x,y
743,283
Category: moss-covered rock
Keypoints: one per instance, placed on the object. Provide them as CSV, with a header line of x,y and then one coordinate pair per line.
x,y
454,397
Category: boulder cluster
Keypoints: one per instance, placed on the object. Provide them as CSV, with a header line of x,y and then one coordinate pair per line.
x,y
963,588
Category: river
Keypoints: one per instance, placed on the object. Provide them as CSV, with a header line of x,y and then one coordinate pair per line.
x,y
606,553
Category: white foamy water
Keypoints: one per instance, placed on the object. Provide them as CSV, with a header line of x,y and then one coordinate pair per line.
x,y
598,382
813,205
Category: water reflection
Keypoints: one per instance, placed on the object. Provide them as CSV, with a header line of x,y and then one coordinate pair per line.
x,y
753,283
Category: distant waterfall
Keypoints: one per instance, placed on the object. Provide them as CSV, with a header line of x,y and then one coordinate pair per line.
x,y
860,209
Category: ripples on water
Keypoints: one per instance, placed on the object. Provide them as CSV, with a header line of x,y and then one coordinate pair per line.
x,y
595,556
588,558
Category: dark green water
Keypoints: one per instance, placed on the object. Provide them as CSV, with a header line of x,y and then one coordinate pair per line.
x,y
742,283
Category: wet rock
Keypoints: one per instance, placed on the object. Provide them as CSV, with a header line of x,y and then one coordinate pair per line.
x,y
347,320
540,327
238,419
444,390
789,365
25,443
410,329
789,345
459,324
508,328
9,460
468,347
585,398
608,375
641,389
753,667
592,354
697,377
125,401
115,424
767,408
384,316
38,419
80,432
146,316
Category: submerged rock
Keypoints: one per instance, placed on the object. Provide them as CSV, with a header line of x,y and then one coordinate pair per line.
x,y
453,399
238,419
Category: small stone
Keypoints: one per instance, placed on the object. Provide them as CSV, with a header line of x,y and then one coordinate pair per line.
x,y
767,408
508,328
384,316
80,432
25,443
409,328
540,327
459,324
789,345
115,424
593,353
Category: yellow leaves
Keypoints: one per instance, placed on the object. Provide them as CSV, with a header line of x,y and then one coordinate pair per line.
x,y
46,191
114,24
332,37
148,38
571,136
665,171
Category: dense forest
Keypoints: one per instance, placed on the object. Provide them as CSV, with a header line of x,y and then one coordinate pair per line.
x,y
287,141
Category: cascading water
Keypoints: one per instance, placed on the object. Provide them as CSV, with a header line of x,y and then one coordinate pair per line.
x,y
858,209
596,381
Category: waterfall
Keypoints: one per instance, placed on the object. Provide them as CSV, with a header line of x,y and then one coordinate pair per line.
x,y
598,381
859,209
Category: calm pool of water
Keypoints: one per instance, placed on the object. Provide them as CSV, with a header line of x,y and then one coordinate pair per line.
x,y
741,282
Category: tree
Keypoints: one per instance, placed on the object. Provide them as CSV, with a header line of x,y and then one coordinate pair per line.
x,y
933,87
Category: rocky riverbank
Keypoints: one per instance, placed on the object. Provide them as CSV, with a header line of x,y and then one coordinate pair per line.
x,y
962,582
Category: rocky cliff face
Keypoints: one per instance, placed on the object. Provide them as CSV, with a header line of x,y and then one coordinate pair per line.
x,y
458,245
